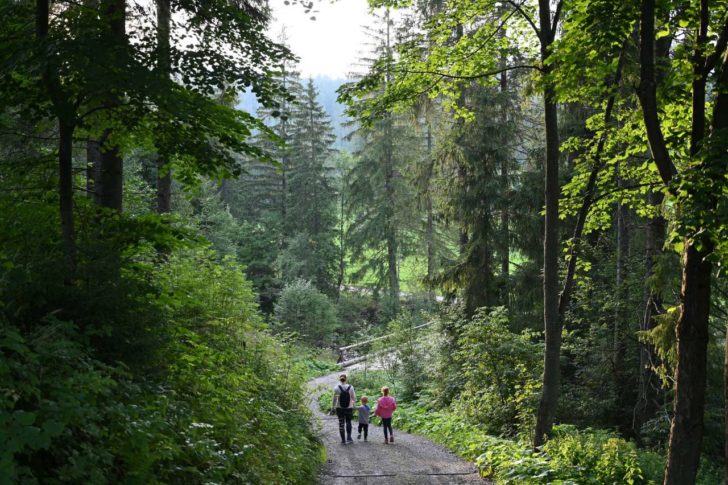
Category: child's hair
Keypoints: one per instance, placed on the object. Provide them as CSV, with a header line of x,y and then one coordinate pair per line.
x,y
364,399
385,391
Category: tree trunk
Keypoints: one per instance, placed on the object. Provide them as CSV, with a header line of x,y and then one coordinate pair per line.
x,y
650,385
686,431
552,322
65,180
66,125
110,183
285,231
390,227
720,122
164,174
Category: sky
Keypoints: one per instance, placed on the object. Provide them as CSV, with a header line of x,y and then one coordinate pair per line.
x,y
331,44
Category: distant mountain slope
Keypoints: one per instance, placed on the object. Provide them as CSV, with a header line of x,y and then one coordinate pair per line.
x,y
327,97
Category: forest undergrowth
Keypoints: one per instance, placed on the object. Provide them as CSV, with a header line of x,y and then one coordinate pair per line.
x,y
168,375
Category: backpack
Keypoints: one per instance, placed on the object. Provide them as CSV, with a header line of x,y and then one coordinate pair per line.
x,y
344,397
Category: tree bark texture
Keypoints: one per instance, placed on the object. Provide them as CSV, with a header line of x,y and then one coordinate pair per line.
x,y
110,183
686,431
552,323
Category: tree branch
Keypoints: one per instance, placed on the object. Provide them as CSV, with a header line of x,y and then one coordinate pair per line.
x,y
557,17
648,93
474,76
720,46
525,16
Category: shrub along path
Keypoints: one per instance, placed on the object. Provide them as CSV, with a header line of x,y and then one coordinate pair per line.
x,y
410,459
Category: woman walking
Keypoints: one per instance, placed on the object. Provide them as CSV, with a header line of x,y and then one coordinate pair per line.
x,y
344,399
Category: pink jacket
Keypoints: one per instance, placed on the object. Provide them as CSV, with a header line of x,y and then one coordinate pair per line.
x,y
385,407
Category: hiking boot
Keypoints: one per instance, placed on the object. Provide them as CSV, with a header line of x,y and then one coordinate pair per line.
x,y
391,439
349,440
359,436
386,442
365,438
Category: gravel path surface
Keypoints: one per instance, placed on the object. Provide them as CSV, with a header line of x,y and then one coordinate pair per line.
x,y
410,459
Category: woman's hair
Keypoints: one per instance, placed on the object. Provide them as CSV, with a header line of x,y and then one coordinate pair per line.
x,y
342,377
385,390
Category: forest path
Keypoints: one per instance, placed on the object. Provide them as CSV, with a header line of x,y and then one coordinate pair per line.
x,y
410,459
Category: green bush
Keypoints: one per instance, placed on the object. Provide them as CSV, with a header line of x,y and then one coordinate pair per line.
x,y
599,456
199,390
303,309
244,416
58,415
499,372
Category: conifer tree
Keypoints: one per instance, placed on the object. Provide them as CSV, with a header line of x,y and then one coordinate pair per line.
x,y
258,198
310,219
382,199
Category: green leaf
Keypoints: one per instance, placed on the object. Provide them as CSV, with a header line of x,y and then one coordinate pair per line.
x,y
24,418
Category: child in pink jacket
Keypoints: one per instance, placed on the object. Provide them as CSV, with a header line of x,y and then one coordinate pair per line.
x,y
385,407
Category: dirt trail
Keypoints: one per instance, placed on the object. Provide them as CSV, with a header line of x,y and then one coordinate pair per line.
x,y
410,459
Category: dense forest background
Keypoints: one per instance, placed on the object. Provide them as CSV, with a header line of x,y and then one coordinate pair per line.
x,y
527,198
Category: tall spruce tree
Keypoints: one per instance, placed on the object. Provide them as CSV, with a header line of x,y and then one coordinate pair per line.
x,y
310,222
258,198
381,199
474,201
